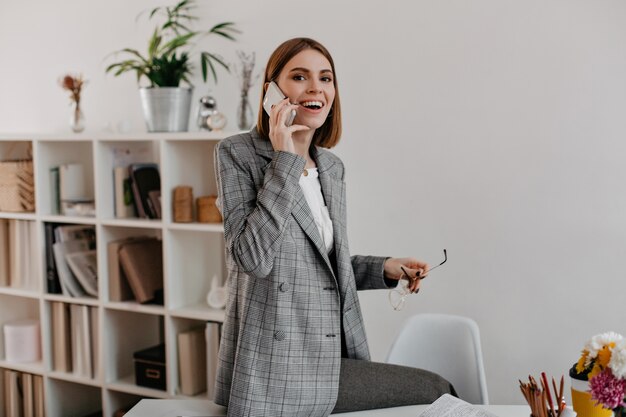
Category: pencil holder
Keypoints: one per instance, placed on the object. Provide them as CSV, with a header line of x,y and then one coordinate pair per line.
x,y
207,210
567,412
183,204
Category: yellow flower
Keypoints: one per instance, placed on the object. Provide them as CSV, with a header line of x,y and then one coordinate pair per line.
x,y
604,355
595,371
580,366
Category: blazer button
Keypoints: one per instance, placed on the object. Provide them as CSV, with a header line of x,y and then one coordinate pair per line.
x,y
283,287
279,335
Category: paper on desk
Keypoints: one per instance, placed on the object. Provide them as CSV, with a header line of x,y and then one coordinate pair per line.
x,y
449,406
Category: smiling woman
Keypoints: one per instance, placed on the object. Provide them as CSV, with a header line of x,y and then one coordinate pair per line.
x,y
293,340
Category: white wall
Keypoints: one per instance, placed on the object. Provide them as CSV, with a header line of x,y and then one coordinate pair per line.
x,y
492,128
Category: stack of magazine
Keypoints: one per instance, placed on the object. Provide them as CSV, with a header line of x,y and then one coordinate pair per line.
x,y
72,267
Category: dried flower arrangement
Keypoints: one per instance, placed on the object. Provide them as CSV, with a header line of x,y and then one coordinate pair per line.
x,y
74,84
244,71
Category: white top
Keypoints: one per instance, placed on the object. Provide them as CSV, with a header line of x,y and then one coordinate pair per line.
x,y
312,190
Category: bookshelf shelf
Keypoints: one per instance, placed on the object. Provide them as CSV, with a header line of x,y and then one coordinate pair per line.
x,y
18,216
138,223
199,311
193,253
90,301
17,292
132,306
66,376
127,385
36,368
69,220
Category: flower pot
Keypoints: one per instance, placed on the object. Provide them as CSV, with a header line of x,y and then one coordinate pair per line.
x,y
166,109
582,402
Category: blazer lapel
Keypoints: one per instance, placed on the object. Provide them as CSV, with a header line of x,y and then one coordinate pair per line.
x,y
301,210
332,189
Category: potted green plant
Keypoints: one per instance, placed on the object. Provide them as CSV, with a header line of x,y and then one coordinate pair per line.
x,y
167,64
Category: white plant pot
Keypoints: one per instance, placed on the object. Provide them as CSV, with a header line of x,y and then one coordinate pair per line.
x,y
166,109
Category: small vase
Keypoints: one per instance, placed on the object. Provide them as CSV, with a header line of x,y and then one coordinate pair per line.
x,y
244,113
77,119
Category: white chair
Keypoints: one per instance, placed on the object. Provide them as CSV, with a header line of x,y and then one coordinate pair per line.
x,y
447,345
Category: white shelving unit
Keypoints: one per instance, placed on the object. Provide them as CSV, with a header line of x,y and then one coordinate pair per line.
x,y
192,254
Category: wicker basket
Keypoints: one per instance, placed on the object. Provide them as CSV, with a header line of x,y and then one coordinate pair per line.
x,y
17,186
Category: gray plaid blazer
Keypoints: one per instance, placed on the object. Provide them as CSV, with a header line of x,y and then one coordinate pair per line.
x,y
280,350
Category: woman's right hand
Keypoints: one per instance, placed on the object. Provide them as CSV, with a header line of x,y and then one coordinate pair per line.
x,y
280,134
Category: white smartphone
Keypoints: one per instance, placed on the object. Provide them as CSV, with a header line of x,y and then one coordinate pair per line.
x,y
273,96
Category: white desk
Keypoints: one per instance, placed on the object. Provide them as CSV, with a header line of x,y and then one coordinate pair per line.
x,y
175,408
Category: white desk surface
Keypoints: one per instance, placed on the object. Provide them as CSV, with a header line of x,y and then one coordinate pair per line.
x,y
203,408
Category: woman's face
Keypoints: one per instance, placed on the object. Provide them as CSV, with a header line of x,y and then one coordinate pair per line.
x,y
307,79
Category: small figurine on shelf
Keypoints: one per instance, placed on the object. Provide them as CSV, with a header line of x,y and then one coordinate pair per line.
x,y
209,118
206,108
217,295
74,84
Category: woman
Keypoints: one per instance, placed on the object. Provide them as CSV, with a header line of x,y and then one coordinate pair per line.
x,y
293,342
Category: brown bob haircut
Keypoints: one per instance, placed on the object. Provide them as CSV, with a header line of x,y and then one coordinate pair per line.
x,y
329,133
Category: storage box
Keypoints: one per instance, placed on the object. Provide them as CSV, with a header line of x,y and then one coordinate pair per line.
x,y
150,367
22,341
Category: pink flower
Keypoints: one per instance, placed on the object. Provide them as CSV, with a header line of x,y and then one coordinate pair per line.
x,y
607,390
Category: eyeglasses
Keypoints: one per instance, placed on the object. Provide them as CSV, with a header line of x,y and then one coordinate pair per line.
x,y
397,296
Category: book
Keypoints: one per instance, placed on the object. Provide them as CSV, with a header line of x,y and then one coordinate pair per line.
x,y
30,262
28,400
61,337
6,382
23,262
81,341
212,335
192,361
145,178
5,272
142,263
38,396
95,342
84,266
123,193
119,289
13,402
52,278
55,197
16,248
154,203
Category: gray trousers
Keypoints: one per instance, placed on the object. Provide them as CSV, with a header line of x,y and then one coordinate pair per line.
x,y
365,385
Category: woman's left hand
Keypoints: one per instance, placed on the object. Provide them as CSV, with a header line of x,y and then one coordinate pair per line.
x,y
417,270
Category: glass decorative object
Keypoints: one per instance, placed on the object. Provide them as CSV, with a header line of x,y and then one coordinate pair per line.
x,y
77,118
